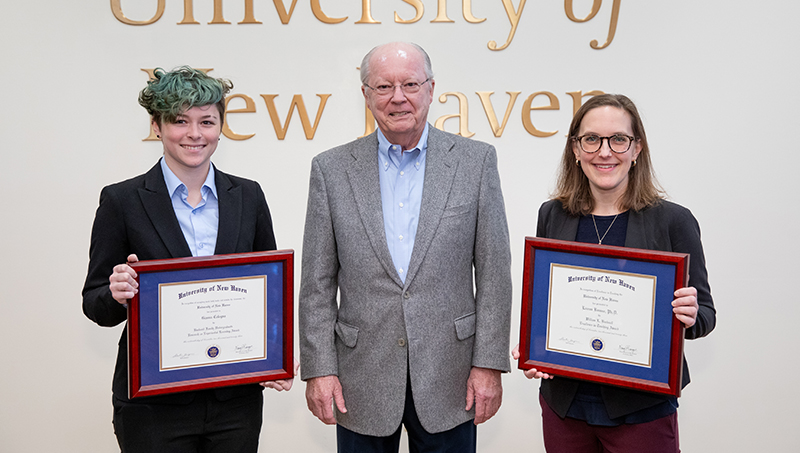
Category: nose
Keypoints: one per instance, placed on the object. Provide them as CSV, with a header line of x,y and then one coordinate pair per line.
x,y
193,131
398,95
605,146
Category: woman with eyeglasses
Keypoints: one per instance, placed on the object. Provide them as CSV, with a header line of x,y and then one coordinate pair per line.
x,y
607,194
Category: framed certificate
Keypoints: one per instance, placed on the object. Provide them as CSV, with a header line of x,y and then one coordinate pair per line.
x,y
213,321
603,314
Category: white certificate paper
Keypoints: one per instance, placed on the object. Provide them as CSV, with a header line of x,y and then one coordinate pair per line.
x,y
602,314
209,322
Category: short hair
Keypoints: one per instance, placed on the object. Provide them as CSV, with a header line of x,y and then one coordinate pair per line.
x,y
572,188
365,61
169,94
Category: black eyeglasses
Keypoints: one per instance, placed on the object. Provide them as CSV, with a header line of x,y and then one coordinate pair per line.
x,y
591,143
406,88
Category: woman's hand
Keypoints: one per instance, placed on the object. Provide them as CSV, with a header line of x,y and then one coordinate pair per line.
x,y
282,384
122,282
533,373
685,305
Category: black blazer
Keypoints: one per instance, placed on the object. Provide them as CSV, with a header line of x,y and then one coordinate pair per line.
x,y
136,216
666,227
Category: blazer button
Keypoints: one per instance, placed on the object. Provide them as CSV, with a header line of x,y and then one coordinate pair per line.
x,y
401,342
406,295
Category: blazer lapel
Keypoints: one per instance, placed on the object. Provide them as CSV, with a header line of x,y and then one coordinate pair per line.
x,y
158,207
365,184
440,170
230,213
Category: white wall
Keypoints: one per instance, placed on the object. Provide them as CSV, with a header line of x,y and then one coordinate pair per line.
x,y
716,83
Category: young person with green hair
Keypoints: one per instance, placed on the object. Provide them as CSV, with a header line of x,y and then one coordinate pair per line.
x,y
183,206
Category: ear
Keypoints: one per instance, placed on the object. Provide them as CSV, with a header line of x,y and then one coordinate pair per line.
x,y
575,149
156,128
637,148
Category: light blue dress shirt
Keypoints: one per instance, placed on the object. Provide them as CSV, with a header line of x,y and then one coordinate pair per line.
x,y
199,224
402,175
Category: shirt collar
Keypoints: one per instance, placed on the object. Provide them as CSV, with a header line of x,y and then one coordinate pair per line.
x,y
384,146
173,183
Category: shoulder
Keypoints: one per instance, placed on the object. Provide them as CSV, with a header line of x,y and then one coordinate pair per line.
x,y
441,138
551,208
669,212
125,188
345,153
250,188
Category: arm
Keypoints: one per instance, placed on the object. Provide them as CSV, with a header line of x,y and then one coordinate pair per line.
x,y
493,296
108,248
265,237
317,309
693,305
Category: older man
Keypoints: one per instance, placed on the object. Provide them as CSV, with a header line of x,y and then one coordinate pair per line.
x,y
397,225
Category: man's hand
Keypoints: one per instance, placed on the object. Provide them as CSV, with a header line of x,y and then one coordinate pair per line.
x,y
486,391
321,393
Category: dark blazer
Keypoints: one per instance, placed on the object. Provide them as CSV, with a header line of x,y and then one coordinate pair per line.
x,y
435,326
666,227
136,216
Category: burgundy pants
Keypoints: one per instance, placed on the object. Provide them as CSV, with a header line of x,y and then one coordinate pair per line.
x,y
569,435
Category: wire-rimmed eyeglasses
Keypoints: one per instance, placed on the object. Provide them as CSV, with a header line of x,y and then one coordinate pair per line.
x,y
406,88
591,143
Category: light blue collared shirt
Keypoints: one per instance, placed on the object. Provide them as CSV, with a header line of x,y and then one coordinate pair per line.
x,y
402,175
199,224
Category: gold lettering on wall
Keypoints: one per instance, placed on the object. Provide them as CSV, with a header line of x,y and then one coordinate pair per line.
x,y
466,10
441,13
281,9
188,13
297,101
366,13
116,8
250,107
418,6
488,109
513,14
513,17
462,115
568,8
577,98
612,29
527,123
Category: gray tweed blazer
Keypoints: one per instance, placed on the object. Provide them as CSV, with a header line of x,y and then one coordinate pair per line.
x,y
434,327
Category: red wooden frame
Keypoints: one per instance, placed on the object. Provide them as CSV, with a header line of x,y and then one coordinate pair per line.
x,y
286,257
681,263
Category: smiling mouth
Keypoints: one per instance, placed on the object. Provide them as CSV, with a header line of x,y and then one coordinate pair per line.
x,y
193,147
606,167
399,114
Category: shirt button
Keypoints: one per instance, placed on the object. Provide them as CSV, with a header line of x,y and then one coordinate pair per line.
x,y
401,205
401,237
402,173
200,245
400,271
401,342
